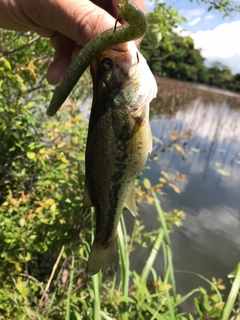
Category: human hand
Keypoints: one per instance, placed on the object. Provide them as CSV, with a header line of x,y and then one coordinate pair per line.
x,y
69,24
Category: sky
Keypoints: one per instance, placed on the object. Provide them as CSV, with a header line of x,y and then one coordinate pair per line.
x,y
217,37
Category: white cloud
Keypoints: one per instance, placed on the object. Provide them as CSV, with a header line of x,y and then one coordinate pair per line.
x,y
181,32
209,17
149,5
193,13
193,22
221,44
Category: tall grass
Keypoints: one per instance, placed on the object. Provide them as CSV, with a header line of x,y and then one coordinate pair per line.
x,y
234,293
132,297
127,295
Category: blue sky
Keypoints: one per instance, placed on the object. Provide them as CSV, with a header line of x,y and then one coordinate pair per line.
x,y
218,38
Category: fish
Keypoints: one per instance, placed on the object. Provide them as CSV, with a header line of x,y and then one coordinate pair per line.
x,y
118,143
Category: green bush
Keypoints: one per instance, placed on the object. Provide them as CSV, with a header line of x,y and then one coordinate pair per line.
x,y
44,242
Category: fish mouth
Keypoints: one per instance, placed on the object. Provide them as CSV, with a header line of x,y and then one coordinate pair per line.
x,y
135,110
123,70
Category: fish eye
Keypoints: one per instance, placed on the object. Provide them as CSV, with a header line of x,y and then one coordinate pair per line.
x,y
107,64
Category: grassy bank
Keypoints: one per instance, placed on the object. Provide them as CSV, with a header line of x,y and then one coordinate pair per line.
x,y
68,294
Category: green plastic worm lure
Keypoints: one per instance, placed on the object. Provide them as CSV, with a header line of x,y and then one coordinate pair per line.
x,y
135,28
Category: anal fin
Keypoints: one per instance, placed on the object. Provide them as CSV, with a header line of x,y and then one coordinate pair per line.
x,y
130,204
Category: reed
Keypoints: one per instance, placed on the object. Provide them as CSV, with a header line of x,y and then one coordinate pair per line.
x,y
233,295
131,294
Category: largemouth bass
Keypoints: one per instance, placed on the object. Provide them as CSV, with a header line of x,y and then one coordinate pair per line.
x,y
118,143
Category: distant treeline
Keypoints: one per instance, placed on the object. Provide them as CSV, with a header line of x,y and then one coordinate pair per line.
x,y
175,57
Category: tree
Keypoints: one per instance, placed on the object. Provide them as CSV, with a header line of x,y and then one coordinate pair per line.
x,y
171,55
225,6
176,58
236,81
220,76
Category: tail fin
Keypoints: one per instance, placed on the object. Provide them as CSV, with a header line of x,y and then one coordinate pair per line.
x,y
101,258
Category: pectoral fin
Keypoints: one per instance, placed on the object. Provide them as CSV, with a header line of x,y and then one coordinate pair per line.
x,y
130,204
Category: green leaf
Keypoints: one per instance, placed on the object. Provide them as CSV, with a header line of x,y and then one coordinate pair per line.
x,y
217,164
7,64
22,289
62,166
195,150
179,148
123,299
165,287
215,297
174,187
21,82
77,315
216,312
234,272
147,183
157,140
197,306
31,155
223,172
22,222
234,292
159,37
202,290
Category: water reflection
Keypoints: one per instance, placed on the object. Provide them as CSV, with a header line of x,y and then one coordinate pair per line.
x,y
209,241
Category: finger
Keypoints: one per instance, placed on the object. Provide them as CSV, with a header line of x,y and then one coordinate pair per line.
x,y
62,45
75,52
108,5
57,69
65,51
64,48
82,20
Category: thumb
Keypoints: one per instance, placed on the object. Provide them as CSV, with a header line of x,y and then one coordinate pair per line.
x,y
82,21
79,20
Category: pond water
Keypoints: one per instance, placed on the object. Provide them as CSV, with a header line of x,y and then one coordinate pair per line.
x,y
208,243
